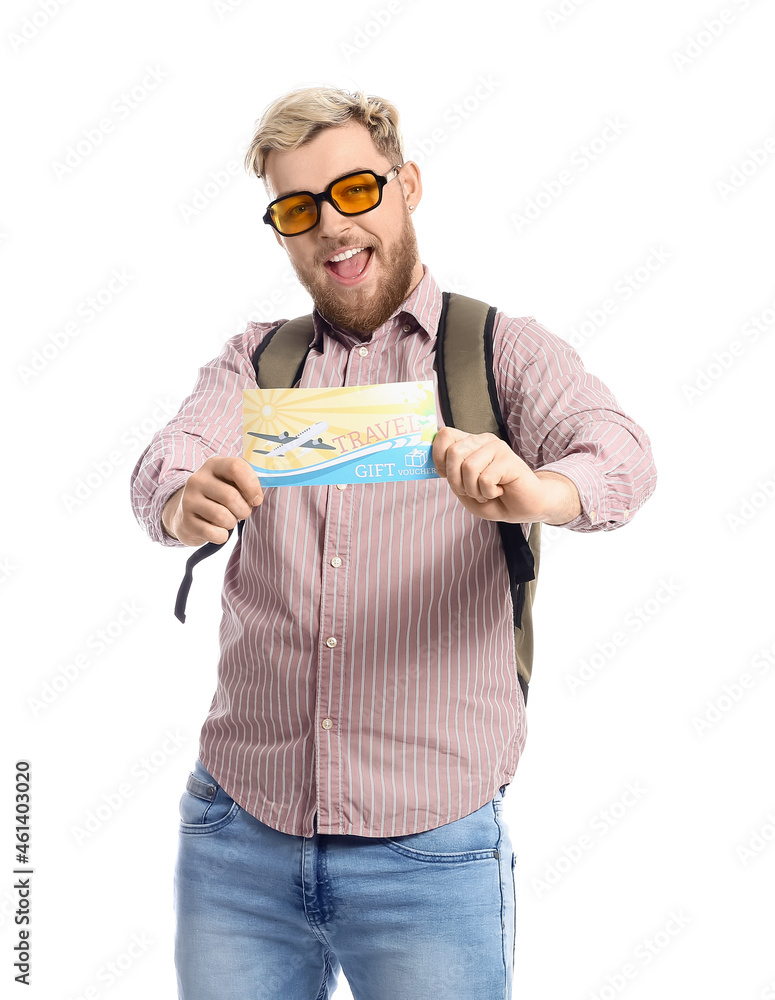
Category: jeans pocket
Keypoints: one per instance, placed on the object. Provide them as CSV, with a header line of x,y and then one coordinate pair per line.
x,y
204,806
465,839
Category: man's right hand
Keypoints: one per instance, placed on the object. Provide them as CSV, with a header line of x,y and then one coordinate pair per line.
x,y
217,496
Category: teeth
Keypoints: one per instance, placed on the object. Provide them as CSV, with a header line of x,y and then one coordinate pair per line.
x,y
346,254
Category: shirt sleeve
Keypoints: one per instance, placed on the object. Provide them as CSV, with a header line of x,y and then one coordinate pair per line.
x,y
562,419
208,423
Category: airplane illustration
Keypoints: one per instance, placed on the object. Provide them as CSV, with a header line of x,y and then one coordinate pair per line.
x,y
287,442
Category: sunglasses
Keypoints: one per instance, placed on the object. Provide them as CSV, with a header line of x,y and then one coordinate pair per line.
x,y
352,194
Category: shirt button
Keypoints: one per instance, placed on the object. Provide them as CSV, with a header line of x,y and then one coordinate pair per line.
x,y
363,351
341,486
336,562
331,642
326,723
406,327
592,514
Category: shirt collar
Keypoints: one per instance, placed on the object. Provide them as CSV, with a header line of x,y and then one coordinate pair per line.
x,y
423,305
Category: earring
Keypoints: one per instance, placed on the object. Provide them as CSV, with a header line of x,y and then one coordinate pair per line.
x,y
411,208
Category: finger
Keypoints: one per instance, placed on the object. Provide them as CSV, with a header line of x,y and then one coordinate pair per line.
x,y
443,440
196,531
227,496
465,460
241,475
495,476
201,509
473,467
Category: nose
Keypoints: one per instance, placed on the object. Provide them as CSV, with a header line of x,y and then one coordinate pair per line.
x,y
332,223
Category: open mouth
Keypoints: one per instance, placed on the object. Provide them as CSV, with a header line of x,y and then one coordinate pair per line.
x,y
350,265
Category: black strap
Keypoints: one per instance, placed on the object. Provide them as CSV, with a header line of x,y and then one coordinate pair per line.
x,y
201,553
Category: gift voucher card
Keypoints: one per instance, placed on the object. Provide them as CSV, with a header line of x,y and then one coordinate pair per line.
x,y
352,434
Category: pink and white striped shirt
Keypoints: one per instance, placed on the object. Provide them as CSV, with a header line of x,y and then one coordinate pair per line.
x,y
367,668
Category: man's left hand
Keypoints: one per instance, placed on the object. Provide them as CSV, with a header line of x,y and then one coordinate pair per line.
x,y
492,481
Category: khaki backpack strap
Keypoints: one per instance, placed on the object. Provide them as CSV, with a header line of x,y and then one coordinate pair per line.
x,y
469,401
282,358
467,385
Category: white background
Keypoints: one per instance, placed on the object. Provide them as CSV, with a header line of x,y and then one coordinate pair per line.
x,y
691,567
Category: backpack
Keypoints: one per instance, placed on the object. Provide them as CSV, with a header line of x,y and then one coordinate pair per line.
x,y
468,401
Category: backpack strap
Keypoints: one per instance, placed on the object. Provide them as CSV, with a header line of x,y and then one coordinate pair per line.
x,y
201,553
282,358
469,401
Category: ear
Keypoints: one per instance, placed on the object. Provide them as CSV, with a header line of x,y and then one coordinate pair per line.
x,y
411,183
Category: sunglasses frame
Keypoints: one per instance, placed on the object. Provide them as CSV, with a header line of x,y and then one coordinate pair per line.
x,y
327,196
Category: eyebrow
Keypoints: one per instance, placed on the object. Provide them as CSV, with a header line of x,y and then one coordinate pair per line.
x,y
355,170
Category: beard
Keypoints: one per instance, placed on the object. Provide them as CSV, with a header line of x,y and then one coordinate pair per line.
x,y
357,309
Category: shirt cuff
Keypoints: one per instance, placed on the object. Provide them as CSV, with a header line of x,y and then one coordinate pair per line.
x,y
601,508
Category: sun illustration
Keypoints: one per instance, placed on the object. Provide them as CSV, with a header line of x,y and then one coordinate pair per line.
x,y
278,413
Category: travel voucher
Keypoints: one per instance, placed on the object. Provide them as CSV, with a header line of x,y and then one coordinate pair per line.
x,y
351,434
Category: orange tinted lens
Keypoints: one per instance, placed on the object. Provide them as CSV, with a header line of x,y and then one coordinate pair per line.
x,y
354,194
295,214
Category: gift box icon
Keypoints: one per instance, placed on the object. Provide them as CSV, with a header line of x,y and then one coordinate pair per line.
x,y
417,457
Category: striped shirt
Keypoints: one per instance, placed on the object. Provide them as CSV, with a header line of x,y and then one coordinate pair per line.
x,y
366,680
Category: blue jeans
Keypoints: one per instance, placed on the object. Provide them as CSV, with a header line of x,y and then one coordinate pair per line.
x,y
265,915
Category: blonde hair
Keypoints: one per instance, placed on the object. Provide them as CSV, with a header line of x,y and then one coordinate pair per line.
x,y
298,116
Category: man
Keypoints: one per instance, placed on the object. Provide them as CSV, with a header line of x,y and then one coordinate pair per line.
x,y
346,809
